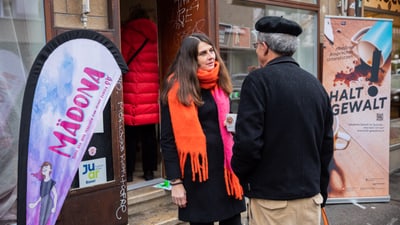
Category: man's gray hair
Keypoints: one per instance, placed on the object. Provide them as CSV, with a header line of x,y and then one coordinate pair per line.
x,y
283,44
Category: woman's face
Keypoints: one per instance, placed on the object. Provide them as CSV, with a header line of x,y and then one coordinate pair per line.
x,y
46,170
206,56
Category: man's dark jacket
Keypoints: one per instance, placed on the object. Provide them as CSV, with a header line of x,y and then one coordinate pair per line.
x,y
284,138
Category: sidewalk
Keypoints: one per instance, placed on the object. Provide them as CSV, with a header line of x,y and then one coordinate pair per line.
x,y
387,213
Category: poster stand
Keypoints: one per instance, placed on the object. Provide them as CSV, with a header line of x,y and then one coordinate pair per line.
x,y
356,75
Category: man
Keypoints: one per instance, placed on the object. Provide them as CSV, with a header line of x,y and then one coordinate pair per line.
x,y
284,138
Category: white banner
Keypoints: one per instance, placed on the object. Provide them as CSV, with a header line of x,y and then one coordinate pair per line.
x,y
356,75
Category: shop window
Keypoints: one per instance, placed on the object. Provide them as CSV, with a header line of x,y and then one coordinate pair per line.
x,y
306,53
22,37
237,33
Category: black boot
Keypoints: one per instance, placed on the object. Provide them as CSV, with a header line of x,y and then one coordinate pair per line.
x,y
148,175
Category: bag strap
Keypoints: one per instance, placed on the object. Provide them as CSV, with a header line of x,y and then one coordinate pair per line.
x,y
324,216
137,52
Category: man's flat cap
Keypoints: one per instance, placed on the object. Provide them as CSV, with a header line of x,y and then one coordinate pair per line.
x,y
277,24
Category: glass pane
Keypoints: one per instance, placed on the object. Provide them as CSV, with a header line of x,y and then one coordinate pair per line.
x,y
236,35
306,54
306,1
22,37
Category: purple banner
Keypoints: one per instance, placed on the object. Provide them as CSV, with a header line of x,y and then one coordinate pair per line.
x,y
68,88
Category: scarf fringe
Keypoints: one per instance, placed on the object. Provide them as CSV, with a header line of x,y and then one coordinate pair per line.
x,y
232,184
199,164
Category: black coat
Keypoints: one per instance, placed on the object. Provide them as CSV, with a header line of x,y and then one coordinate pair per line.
x,y
284,138
207,201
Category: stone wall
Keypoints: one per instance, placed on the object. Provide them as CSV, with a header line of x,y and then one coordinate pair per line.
x,y
67,14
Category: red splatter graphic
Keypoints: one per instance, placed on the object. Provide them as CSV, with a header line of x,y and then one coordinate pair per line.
x,y
361,70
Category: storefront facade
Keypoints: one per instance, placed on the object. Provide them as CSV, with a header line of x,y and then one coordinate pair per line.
x,y
230,23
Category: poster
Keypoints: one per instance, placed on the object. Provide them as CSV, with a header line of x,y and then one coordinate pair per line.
x,y
68,87
356,75
92,172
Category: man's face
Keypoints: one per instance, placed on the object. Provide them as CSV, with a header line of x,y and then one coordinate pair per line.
x,y
261,49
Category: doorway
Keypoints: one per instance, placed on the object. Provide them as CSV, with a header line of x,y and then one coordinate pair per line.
x,y
150,7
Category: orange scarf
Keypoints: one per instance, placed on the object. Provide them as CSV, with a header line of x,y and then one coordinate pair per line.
x,y
189,136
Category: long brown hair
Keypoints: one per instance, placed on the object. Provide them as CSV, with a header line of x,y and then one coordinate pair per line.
x,y
184,70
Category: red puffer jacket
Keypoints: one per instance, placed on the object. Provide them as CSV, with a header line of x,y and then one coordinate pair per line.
x,y
141,83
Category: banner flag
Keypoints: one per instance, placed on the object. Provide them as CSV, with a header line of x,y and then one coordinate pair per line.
x,y
68,87
357,77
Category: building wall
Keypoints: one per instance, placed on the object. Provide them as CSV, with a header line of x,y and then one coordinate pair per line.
x,y
67,14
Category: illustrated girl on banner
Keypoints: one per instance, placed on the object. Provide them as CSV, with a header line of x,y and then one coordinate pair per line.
x,y
47,187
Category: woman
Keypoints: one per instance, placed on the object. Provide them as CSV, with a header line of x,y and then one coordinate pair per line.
x,y
195,144
47,187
